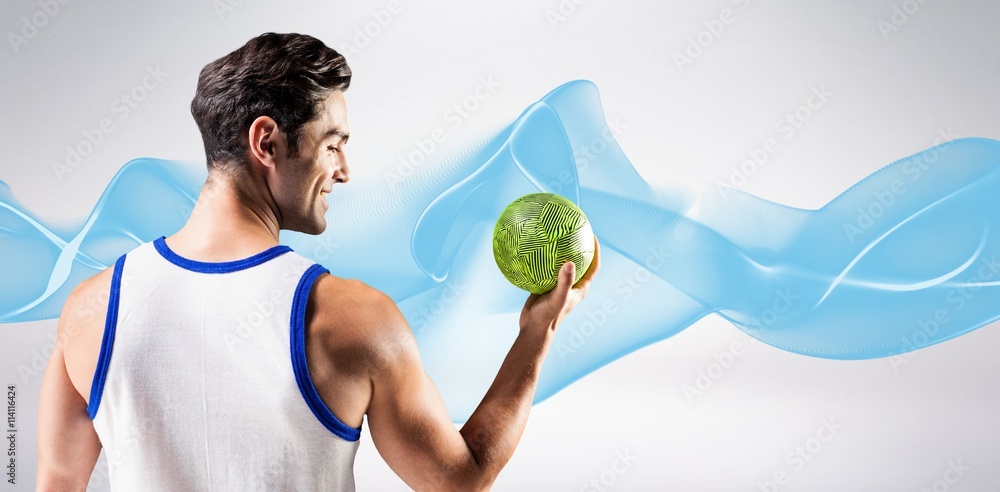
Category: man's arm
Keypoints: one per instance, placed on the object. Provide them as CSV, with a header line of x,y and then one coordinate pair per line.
x,y
68,446
407,417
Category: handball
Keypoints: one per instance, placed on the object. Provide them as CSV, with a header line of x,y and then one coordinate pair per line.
x,y
535,235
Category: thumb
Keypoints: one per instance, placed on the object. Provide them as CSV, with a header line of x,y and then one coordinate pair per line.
x,y
565,282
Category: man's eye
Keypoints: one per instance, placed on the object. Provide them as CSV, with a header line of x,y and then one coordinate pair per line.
x,y
332,148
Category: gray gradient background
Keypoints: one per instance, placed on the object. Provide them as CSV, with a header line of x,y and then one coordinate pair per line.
x,y
890,96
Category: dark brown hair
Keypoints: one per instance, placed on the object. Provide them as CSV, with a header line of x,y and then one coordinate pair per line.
x,y
284,76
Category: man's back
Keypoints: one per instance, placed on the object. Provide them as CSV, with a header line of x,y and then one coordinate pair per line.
x,y
200,375
203,397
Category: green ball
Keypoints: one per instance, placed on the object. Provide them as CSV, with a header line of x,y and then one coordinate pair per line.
x,y
535,235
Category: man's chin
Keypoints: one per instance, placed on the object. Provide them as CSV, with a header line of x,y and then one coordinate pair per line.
x,y
314,228
318,228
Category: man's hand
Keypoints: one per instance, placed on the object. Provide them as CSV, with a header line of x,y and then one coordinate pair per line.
x,y
549,309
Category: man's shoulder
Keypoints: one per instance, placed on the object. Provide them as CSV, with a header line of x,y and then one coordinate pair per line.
x,y
350,301
86,306
349,315
80,328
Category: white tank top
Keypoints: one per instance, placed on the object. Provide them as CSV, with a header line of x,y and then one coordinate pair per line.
x,y
202,383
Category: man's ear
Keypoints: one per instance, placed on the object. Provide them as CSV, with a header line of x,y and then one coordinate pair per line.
x,y
267,142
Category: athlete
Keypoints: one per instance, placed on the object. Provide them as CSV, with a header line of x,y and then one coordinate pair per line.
x,y
218,359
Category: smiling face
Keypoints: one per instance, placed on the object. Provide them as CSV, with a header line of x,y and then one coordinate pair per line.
x,y
301,187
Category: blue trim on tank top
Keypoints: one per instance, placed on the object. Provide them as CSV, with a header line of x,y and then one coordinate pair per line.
x,y
108,340
301,367
160,244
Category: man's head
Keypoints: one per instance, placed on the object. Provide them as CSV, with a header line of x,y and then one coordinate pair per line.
x,y
274,122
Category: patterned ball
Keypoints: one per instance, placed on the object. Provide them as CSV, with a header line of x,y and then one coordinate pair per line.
x,y
536,235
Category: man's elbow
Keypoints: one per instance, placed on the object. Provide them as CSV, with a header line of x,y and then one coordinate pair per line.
x,y
482,474
470,477
475,483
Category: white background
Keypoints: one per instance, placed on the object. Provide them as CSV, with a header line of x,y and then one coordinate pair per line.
x,y
900,427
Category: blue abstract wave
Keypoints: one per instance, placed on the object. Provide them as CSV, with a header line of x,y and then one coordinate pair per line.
x,y
905,258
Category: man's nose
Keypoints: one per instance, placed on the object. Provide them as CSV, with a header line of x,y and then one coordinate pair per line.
x,y
343,174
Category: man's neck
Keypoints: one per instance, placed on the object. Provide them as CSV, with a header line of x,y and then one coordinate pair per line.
x,y
227,224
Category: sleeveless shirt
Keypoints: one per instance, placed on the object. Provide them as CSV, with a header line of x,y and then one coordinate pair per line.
x,y
202,382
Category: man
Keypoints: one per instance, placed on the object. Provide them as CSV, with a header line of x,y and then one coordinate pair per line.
x,y
218,359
